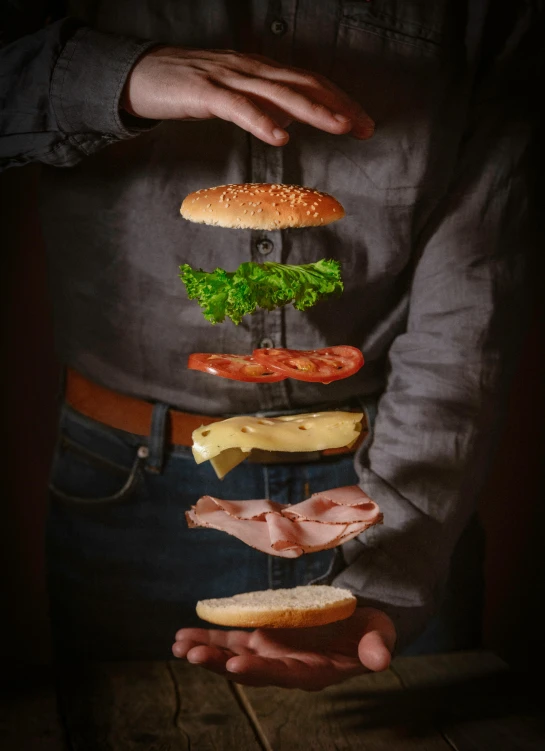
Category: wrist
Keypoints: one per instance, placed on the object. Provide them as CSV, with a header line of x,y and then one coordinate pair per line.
x,y
136,78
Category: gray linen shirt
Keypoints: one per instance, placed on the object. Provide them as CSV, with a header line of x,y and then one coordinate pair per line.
x,y
432,248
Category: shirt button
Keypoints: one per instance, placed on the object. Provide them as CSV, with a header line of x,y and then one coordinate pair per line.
x,y
279,27
265,246
266,343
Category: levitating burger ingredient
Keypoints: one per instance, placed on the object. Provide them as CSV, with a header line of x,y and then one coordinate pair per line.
x,y
228,442
234,367
234,294
261,206
298,607
315,365
325,520
269,365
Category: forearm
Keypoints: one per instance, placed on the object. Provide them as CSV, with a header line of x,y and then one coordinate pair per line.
x,y
69,90
440,416
61,88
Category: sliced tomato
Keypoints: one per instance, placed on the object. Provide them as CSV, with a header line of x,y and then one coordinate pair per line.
x,y
235,367
318,365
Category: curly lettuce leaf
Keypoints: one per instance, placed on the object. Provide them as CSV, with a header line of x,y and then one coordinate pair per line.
x,y
234,294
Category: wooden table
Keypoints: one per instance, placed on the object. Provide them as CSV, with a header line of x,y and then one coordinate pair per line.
x,y
465,701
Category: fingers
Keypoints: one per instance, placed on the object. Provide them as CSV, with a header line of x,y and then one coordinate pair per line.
x,y
199,635
295,104
241,110
201,650
211,658
216,660
316,89
182,647
377,643
198,645
287,672
230,654
373,652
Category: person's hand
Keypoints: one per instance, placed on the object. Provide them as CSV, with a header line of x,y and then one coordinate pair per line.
x,y
306,658
254,92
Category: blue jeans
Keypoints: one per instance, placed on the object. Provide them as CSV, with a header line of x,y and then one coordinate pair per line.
x,y
124,570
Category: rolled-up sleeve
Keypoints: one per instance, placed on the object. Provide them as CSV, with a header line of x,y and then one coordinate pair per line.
x,y
439,418
60,90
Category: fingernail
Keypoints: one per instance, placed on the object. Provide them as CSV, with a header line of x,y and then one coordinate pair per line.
x,y
341,118
194,660
279,133
364,128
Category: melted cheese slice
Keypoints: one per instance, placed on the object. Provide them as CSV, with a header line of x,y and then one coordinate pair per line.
x,y
228,443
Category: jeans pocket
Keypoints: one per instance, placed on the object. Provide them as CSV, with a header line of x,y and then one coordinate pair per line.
x,y
93,464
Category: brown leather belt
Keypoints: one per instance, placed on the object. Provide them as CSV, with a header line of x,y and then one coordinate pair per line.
x,y
134,416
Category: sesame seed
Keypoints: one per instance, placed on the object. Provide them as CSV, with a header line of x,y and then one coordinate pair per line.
x,y
316,214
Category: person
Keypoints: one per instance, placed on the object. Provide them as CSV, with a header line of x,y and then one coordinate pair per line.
x,y
416,117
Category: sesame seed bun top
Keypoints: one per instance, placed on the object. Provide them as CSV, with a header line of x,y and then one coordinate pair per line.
x,y
261,206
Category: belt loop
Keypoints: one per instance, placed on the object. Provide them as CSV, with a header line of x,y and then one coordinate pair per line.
x,y
370,409
157,437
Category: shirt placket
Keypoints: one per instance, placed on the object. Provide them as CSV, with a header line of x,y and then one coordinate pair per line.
x,y
267,167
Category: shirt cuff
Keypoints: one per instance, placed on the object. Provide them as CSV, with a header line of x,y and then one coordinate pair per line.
x,y
88,80
377,582
398,567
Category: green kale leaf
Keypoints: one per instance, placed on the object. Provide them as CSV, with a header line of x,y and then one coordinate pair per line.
x,y
234,294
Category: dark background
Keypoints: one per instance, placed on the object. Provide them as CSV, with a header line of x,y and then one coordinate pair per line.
x,y
512,505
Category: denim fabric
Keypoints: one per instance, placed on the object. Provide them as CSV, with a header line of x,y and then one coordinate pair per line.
x,y
125,571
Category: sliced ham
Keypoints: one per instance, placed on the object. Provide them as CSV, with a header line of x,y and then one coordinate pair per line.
x,y
324,521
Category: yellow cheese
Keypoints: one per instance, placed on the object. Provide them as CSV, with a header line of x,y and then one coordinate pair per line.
x,y
229,442
227,460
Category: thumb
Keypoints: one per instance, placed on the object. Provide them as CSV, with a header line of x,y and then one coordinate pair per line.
x,y
377,643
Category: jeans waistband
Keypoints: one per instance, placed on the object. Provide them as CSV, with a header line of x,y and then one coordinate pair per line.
x,y
164,425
